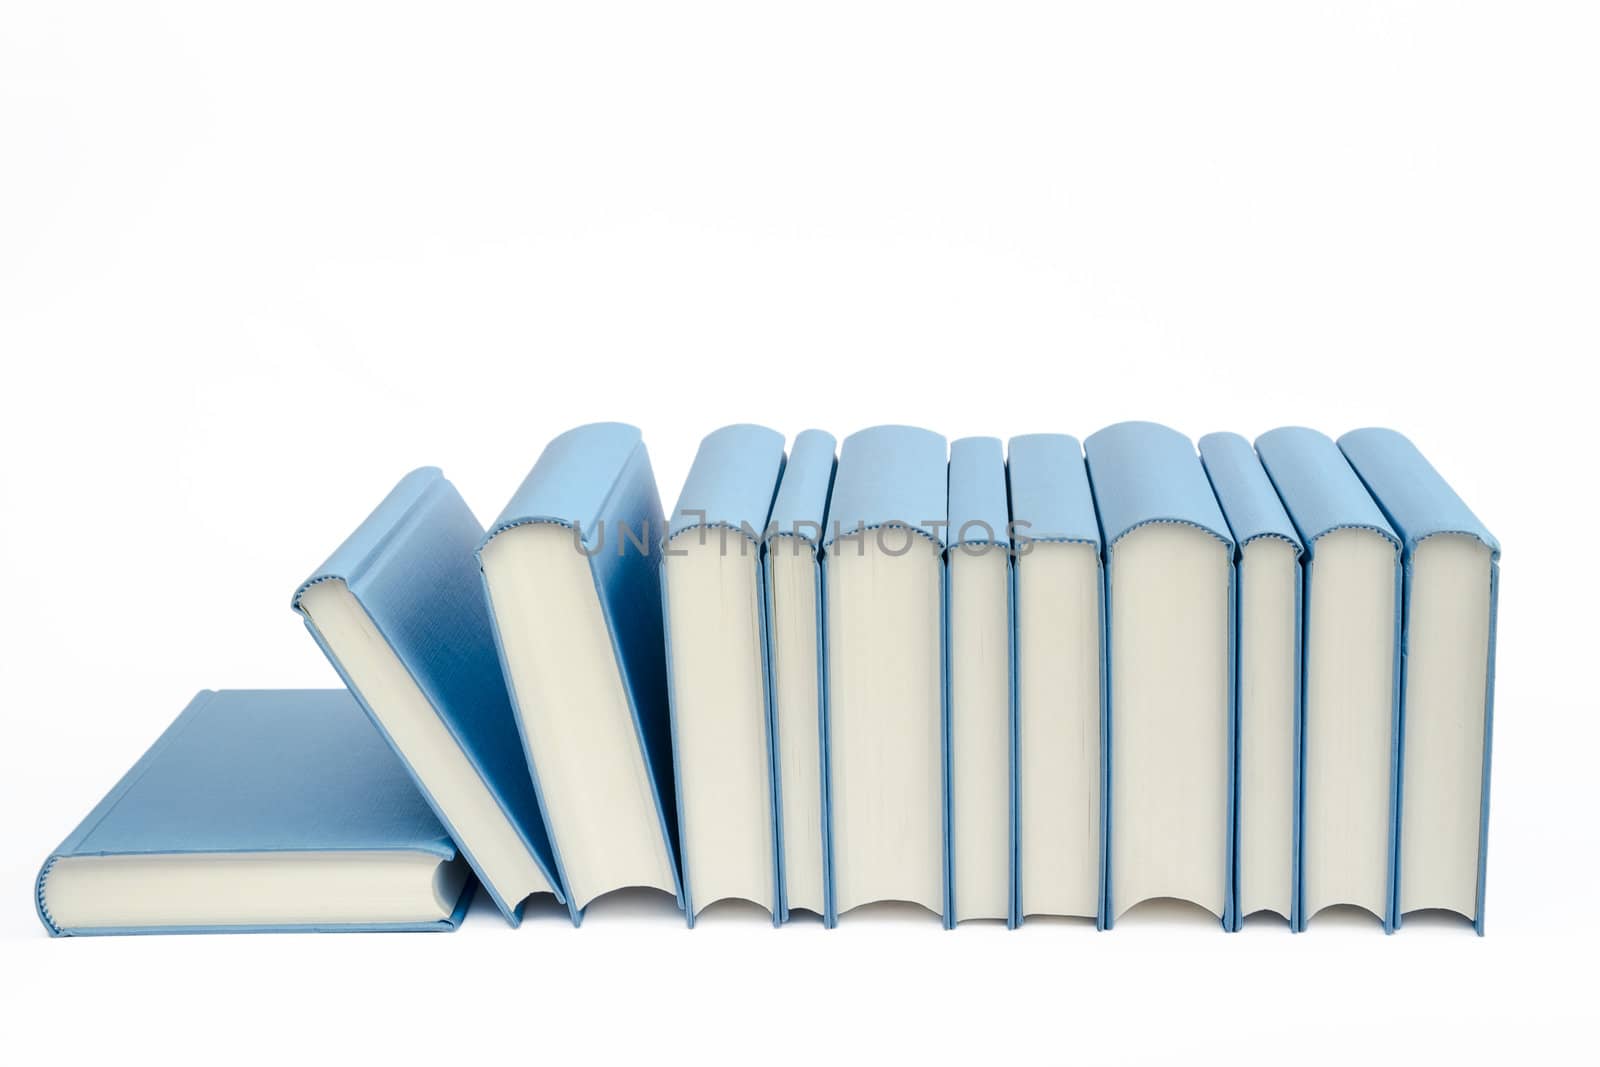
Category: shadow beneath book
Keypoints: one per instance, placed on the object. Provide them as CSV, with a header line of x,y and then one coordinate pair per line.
x,y
633,903
1344,917
889,913
734,911
1438,920
541,909
1167,912
1081,922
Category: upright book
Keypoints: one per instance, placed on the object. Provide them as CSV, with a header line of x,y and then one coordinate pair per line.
x,y
717,669
981,798
398,610
793,573
572,572
1169,575
1452,579
1351,662
1060,680
258,810
883,587
1267,678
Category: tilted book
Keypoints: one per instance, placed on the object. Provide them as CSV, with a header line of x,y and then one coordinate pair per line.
x,y
258,811
1452,583
1350,656
1266,670
793,581
398,610
712,591
572,572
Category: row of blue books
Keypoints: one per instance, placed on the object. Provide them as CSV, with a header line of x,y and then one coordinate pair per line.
x,y
1043,678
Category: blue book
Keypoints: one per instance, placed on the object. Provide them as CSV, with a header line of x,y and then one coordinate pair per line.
x,y
884,606
1169,618
399,612
980,800
258,811
718,672
1350,656
793,582
1267,678
571,569
1060,680
1451,566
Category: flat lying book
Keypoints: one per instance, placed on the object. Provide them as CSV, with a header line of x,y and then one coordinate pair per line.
x,y
794,633
1267,678
1452,582
1060,683
572,571
883,587
398,610
1169,572
981,798
258,810
711,588
1351,655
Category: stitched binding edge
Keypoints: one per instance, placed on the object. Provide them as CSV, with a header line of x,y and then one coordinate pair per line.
x,y
1273,536
723,524
384,543
1226,542
1494,550
1380,531
869,527
39,902
552,520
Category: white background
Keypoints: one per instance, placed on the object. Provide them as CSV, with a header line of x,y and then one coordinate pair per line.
x,y
257,261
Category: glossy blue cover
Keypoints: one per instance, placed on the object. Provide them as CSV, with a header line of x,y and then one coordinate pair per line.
x,y
1143,473
732,482
801,505
799,511
980,520
889,475
730,488
1321,494
594,479
1048,483
411,567
1419,504
1050,495
978,510
886,476
1253,510
261,771
1245,493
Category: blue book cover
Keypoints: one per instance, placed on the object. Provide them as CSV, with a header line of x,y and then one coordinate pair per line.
x,y
1263,537
1061,687
980,734
1333,514
398,610
595,485
792,573
884,598
718,669
1420,505
249,783
1164,590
